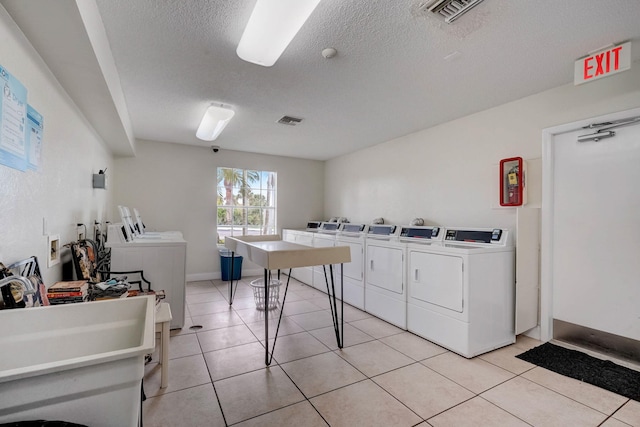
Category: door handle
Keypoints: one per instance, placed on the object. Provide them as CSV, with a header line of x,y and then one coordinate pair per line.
x,y
415,274
371,267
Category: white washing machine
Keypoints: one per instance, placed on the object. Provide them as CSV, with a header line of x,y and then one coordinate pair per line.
x,y
462,292
302,237
353,235
162,260
325,237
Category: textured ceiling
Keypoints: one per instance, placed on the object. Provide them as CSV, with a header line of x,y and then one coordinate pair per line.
x,y
389,78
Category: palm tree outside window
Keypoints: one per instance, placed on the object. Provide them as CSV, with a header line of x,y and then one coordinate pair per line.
x,y
246,202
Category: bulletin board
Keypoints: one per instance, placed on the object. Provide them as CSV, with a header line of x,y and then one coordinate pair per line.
x,y
21,126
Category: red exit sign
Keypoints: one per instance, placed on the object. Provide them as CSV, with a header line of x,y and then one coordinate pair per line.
x,y
603,63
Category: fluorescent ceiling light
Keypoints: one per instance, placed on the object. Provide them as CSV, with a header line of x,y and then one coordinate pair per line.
x,y
213,122
271,27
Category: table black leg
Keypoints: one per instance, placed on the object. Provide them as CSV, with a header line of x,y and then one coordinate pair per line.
x,y
267,361
269,356
231,293
338,321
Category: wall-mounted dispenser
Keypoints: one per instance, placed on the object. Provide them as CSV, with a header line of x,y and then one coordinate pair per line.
x,y
513,189
100,179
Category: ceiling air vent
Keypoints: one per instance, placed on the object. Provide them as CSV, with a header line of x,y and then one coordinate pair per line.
x,y
449,10
288,120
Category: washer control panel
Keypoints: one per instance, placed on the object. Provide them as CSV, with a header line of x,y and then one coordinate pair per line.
x,y
353,228
329,226
313,225
383,230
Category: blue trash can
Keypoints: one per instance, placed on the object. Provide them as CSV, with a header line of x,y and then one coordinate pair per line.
x,y
225,265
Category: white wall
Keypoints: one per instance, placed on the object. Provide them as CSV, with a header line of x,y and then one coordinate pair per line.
x,y
448,174
61,191
174,188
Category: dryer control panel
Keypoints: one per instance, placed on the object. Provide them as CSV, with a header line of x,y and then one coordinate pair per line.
x,y
481,236
420,232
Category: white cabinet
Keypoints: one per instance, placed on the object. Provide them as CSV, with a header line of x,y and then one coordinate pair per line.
x,y
527,269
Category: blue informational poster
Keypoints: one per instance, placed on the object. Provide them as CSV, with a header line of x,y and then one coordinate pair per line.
x,y
13,122
35,127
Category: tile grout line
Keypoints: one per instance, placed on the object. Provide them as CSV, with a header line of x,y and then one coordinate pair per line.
x,y
215,391
283,370
337,352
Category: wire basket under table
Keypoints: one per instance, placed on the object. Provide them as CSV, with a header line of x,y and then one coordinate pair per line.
x,y
258,293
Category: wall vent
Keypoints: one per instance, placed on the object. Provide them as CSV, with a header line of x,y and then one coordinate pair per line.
x,y
289,120
448,10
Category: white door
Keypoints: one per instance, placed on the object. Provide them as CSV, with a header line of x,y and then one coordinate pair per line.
x,y
384,268
595,231
436,279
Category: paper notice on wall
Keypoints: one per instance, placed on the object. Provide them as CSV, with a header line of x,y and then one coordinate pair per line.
x,y
35,128
13,122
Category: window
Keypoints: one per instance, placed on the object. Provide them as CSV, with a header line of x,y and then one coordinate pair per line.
x,y
246,202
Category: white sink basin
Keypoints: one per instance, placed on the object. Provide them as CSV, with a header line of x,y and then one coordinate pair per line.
x,y
77,362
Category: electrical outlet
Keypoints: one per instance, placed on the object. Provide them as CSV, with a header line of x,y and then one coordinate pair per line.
x,y
53,249
81,231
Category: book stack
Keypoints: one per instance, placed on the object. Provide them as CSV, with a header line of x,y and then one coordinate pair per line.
x,y
68,292
160,295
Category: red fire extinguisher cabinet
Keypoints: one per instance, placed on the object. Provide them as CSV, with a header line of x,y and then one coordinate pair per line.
x,y
512,182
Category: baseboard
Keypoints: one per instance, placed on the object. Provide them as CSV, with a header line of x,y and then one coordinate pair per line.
x,y
197,277
217,275
252,272
533,333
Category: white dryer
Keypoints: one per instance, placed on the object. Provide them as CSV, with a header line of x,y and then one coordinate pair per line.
x,y
385,292
385,272
461,292
353,235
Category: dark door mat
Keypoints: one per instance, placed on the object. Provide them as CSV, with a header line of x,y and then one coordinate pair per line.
x,y
575,364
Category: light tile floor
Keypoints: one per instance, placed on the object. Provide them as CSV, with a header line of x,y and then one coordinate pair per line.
x,y
383,376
